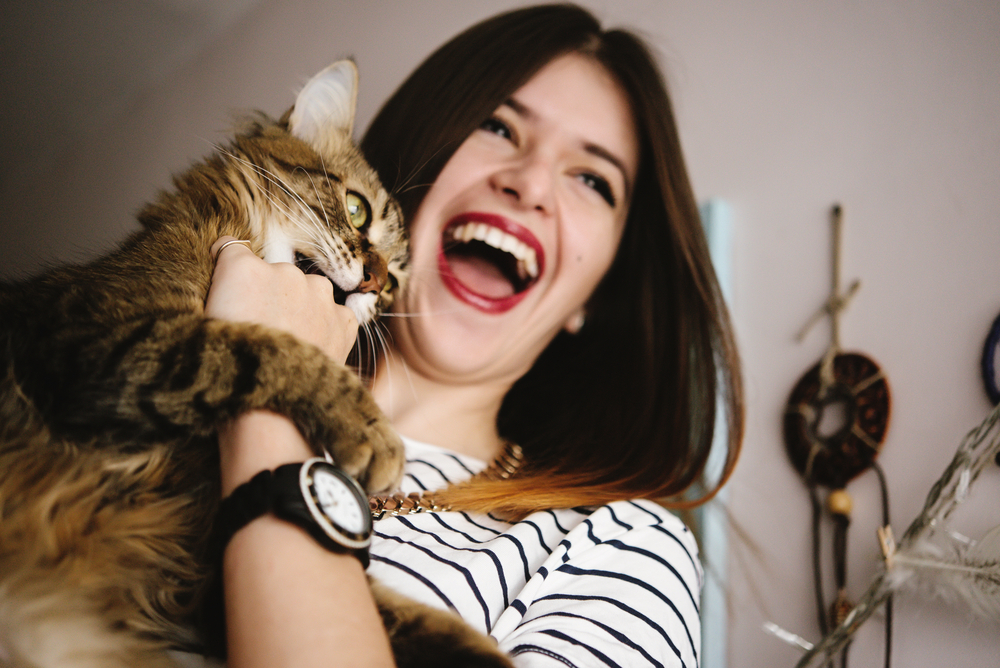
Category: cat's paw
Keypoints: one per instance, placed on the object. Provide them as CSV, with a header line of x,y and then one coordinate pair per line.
x,y
329,404
376,459
425,637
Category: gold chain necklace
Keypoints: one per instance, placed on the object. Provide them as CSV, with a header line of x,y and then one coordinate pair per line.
x,y
503,467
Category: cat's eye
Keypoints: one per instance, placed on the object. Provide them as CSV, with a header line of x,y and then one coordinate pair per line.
x,y
358,210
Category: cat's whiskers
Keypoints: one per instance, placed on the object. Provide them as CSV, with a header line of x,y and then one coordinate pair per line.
x,y
409,377
320,244
276,179
310,230
414,277
407,189
376,334
404,185
326,175
363,341
381,331
271,178
375,340
388,353
312,182
312,226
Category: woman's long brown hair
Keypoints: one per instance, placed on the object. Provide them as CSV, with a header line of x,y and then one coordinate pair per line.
x,y
625,408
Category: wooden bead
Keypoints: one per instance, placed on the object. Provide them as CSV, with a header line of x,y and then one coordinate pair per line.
x,y
840,609
839,502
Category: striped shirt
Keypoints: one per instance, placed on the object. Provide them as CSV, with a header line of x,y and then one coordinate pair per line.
x,y
616,585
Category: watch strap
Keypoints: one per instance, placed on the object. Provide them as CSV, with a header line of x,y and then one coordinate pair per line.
x,y
246,503
276,492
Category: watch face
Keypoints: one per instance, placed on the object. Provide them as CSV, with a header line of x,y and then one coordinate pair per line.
x,y
338,501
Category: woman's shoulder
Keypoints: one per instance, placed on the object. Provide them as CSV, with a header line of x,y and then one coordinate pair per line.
x,y
635,513
624,582
637,524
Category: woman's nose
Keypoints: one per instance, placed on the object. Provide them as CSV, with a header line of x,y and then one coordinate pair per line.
x,y
529,181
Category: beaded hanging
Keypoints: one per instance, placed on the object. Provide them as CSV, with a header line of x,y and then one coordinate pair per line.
x,y
856,385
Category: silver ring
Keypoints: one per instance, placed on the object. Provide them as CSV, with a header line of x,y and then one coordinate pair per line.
x,y
231,241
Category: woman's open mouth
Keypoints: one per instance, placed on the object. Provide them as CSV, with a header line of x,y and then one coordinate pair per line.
x,y
489,262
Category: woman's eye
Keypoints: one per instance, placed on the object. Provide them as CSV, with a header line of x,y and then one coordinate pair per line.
x,y
497,127
600,186
358,210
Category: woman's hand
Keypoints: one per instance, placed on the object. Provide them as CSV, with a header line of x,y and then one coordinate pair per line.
x,y
289,602
247,289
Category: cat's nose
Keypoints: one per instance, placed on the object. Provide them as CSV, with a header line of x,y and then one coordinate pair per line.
x,y
376,275
371,284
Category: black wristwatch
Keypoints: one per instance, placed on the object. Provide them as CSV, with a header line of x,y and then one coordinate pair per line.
x,y
315,495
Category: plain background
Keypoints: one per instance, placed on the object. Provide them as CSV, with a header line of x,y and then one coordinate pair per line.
x,y
785,107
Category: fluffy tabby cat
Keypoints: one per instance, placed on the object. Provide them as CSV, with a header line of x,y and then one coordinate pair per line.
x,y
113,383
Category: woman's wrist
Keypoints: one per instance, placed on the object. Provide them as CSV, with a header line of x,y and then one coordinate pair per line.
x,y
258,441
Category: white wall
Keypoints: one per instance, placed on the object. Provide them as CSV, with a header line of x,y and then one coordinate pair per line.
x,y
890,108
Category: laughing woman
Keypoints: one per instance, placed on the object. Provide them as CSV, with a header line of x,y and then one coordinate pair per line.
x,y
561,299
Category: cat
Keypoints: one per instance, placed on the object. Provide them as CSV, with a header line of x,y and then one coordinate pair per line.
x,y
113,383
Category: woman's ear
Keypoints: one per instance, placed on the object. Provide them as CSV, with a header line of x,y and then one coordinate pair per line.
x,y
575,322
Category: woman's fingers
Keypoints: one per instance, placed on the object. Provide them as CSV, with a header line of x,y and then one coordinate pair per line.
x,y
225,242
247,289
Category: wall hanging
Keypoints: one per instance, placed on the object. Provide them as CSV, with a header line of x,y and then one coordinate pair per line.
x,y
989,367
834,426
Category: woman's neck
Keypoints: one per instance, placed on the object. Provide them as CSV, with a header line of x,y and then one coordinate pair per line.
x,y
460,417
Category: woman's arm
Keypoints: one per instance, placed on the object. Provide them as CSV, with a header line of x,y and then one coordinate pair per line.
x,y
289,601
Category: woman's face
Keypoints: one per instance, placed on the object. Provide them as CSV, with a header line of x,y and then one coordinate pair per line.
x,y
520,226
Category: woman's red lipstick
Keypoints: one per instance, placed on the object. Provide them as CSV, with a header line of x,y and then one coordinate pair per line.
x,y
515,239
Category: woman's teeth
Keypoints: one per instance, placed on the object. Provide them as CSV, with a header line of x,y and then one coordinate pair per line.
x,y
527,261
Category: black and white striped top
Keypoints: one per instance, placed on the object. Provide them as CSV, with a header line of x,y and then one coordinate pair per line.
x,y
616,585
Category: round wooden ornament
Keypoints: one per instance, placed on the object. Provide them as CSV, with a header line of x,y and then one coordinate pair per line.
x,y
988,365
860,392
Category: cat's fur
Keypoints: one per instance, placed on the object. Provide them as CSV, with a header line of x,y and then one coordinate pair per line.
x,y
113,383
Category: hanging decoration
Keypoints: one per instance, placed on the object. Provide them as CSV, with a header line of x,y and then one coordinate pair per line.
x,y
988,366
856,388
988,363
850,391
930,557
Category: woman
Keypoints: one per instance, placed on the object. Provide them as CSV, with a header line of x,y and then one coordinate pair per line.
x,y
602,362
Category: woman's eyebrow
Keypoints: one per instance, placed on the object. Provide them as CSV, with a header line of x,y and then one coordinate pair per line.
x,y
518,108
594,149
605,154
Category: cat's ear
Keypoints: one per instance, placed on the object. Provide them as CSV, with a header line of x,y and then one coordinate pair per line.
x,y
326,104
